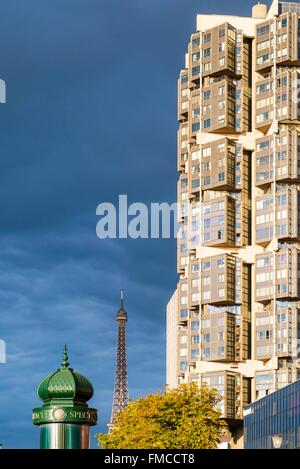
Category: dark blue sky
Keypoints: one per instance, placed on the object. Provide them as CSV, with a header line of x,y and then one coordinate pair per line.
x,y
90,114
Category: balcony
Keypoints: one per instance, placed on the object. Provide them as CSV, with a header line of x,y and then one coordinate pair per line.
x,y
183,96
218,222
227,385
219,106
218,280
219,168
287,270
284,344
194,121
286,43
220,54
287,224
218,335
183,138
194,69
287,158
287,108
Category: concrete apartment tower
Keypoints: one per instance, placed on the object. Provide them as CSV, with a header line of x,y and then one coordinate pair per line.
x,y
233,321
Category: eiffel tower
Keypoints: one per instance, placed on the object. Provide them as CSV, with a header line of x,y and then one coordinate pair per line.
x,y
121,396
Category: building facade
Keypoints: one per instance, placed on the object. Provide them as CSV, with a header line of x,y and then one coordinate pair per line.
x,y
276,415
234,320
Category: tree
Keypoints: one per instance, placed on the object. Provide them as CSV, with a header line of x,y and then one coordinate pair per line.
x,y
186,417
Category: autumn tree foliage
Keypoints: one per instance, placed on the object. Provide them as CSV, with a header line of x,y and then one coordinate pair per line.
x,y
186,417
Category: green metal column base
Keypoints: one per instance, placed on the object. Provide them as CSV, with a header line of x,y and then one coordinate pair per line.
x,y
64,436
64,427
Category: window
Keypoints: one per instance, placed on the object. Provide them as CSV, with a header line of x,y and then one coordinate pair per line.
x,y
206,94
281,199
207,151
221,90
206,280
222,33
206,166
206,295
184,313
221,177
264,58
195,183
206,123
183,366
195,339
221,46
184,79
184,105
195,354
265,116
195,325
184,130
222,62
284,22
221,263
206,265
263,88
281,317
195,126
207,52
196,56
207,38
221,278
183,183
195,112
196,225
263,145
196,70
183,248
263,30
263,45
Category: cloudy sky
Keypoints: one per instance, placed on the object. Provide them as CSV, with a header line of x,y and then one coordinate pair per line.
x,y
90,114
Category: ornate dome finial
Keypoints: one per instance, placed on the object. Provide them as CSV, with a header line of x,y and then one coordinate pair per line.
x,y
65,384
65,362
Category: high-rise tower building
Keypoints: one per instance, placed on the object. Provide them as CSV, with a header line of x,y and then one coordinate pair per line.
x,y
234,320
121,395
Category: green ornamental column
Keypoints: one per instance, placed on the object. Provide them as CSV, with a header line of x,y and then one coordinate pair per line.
x,y
65,417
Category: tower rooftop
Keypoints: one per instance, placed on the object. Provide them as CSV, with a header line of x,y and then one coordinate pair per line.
x,y
122,313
